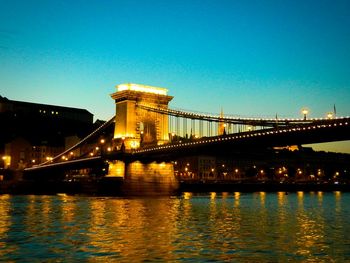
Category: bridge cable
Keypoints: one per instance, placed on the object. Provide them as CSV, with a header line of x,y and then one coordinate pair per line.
x,y
100,128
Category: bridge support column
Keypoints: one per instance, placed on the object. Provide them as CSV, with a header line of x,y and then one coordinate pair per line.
x,y
144,178
149,179
116,169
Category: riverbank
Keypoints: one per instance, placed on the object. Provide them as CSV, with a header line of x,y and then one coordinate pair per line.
x,y
115,187
217,186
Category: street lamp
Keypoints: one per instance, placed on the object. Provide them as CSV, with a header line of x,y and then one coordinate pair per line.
x,y
305,112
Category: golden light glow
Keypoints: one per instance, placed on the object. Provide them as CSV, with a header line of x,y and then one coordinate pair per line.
x,y
124,136
305,111
187,195
133,144
142,88
330,115
116,169
7,160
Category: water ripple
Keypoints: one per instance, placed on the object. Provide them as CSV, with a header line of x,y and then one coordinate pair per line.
x,y
257,227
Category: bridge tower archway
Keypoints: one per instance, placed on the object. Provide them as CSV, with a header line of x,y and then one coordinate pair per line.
x,y
135,126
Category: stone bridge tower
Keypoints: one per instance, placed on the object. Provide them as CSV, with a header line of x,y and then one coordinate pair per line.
x,y
135,126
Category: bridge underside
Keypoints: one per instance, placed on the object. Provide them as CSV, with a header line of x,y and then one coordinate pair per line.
x,y
247,142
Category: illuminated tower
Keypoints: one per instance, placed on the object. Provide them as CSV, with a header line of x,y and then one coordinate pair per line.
x,y
134,125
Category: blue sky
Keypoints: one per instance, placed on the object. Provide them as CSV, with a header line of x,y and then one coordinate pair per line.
x,y
251,58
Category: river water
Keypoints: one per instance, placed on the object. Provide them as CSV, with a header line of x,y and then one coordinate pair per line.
x,y
213,227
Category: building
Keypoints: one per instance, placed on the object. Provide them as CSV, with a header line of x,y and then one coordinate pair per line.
x,y
21,108
32,133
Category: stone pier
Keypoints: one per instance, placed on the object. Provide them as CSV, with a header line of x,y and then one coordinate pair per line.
x,y
150,179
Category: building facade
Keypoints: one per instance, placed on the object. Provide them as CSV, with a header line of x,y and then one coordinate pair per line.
x,y
32,133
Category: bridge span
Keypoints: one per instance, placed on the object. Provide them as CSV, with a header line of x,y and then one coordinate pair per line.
x,y
145,130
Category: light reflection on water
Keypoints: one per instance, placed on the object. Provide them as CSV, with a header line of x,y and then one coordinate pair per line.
x,y
264,227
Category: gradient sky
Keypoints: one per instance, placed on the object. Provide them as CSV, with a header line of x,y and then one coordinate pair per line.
x,y
251,58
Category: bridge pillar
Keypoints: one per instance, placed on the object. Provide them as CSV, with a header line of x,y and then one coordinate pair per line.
x,y
135,127
145,178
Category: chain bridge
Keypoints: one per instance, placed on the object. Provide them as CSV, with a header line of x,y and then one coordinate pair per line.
x,y
145,137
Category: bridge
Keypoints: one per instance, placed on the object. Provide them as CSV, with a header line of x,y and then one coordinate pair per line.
x,y
145,137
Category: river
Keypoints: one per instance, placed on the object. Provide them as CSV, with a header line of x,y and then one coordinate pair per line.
x,y
213,227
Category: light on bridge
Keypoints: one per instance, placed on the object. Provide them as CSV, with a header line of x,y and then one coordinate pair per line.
x,y
142,88
305,112
330,115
